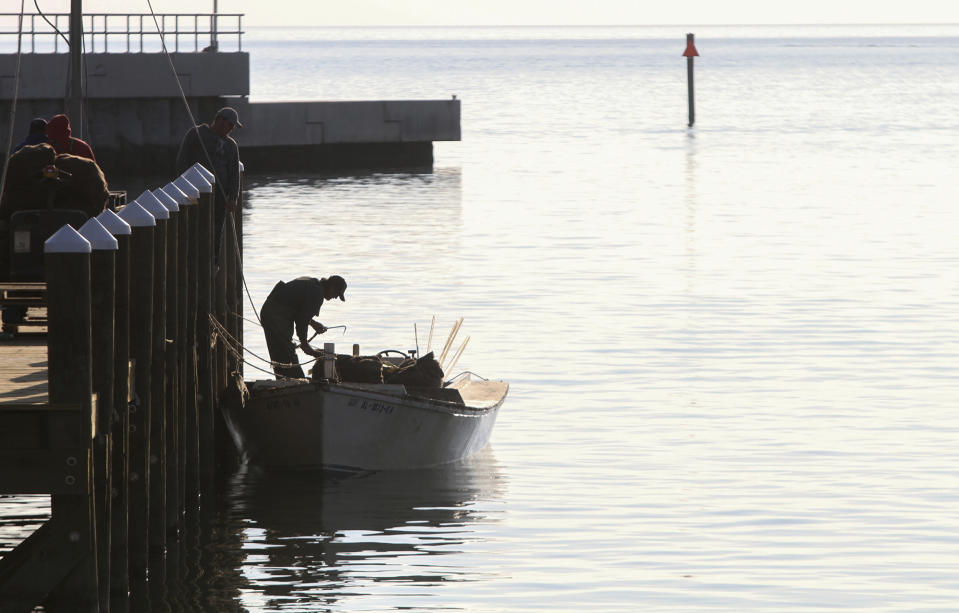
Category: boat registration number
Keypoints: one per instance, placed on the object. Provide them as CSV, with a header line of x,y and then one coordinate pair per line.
x,y
369,405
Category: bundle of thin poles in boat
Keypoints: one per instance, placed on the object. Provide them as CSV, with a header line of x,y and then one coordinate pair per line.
x,y
455,356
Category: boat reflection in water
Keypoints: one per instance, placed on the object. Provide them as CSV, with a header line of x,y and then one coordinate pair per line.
x,y
312,540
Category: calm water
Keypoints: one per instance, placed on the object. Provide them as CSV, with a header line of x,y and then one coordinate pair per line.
x,y
732,350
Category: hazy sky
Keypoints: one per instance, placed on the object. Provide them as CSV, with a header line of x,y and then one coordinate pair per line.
x,y
538,12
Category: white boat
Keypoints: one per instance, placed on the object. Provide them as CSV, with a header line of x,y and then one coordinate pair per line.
x,y
363,426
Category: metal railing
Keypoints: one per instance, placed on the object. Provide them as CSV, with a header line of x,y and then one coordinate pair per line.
x,y
122,32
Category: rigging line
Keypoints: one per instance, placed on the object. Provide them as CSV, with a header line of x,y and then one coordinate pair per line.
x,y
466,372
179,85
206,154
239,258
84,115
13,106
225,334
246,319
236,354
55,29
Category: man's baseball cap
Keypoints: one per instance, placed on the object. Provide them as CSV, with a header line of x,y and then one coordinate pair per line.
x,y
339,284
229,113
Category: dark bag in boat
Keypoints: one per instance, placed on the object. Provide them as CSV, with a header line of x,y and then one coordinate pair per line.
x,y
423,372
360,369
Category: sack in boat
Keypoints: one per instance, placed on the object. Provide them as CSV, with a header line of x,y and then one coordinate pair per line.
x,y
360,369
423,372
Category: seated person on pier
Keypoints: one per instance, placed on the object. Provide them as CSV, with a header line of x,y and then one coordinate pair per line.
x,y
36,135
39,178
59,134
44,185
293,304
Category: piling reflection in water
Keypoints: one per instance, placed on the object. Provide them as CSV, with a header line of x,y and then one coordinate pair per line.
x,y
310,541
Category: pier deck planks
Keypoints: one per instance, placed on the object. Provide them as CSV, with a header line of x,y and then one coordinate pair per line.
x,y
23,370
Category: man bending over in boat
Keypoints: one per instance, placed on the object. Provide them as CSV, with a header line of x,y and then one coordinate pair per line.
x,y
294,304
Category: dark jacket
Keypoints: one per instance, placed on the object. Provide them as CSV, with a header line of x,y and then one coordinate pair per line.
x,y
224,158
32,139
299,300
58,133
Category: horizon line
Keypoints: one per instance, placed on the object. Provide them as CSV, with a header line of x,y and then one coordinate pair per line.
x,y
609,25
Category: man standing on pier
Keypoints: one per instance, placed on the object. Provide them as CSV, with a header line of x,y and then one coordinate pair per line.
x,y
294,304
212,146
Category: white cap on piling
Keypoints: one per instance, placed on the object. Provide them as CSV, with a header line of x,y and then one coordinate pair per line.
x,y
137,216
99,237
177,194
148,201
242,167
112,222
66,240
166,200
187,188
197,178
203,171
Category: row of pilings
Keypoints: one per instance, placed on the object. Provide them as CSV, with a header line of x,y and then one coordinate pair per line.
x,y
130,443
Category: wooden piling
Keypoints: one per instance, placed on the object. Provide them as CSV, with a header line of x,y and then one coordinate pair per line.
x,y
173,500
129,324
141,345
192,417
205,375
238,290
183,351
158,384
102,304
120,434
69,358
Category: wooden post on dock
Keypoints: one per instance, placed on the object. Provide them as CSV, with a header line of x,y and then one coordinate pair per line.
x,y
141,344
120,435
220,286
158,386
219,309
172,406
192,449
70,380
102,304
205,375
233,272
183,352
174,498
238,291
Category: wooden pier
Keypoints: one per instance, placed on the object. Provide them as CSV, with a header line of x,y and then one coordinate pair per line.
x,y
113,412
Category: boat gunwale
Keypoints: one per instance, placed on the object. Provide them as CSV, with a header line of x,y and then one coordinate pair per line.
x,y
406,399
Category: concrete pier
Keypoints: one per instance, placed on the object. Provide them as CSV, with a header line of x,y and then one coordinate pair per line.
x,y
135,116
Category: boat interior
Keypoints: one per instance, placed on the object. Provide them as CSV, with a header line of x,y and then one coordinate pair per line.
x,y
372,374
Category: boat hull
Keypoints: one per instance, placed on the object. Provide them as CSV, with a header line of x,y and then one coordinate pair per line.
x,y
356,427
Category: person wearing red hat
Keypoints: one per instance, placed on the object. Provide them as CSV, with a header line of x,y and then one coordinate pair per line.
x,y
59,134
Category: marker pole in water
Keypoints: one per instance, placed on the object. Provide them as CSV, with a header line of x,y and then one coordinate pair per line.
x,y
689,54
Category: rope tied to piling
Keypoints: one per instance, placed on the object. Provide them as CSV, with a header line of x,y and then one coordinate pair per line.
x,y
238,351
